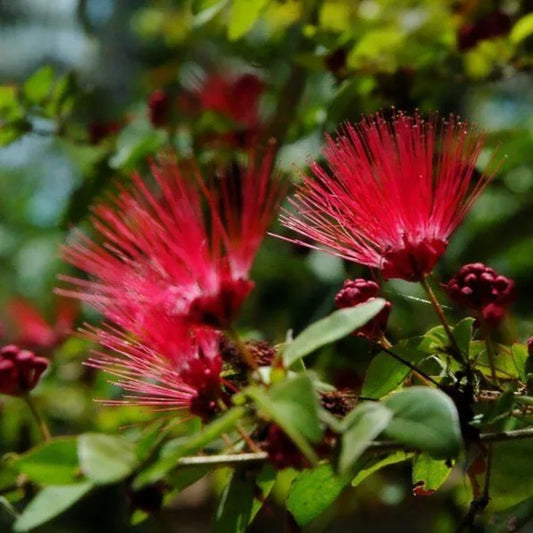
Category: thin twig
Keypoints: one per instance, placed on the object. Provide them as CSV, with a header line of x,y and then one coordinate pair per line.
x,y
456,351
43,428
416,370
376,447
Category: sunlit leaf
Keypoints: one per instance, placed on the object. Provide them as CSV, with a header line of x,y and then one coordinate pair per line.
x,y
313,491
429,474
38,86
329,329
243,15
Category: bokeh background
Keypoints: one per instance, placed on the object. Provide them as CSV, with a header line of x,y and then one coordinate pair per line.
x,y
78,115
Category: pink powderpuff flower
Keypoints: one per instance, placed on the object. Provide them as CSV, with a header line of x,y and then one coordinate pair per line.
x,y
391,192
33,330
171,368
186,250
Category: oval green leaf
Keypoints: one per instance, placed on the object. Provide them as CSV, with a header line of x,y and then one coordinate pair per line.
x,y
49,503
329,329
362,425
312,492
52,463
425,419
105,458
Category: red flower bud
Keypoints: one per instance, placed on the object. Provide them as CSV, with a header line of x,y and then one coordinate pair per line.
x,y
356,292
158,108
20,370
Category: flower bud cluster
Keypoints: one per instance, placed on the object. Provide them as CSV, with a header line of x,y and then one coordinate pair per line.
x,y
358,291
482,289
20,370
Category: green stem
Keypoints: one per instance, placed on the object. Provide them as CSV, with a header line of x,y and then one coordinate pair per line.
x,y
456,351
491,352
43,428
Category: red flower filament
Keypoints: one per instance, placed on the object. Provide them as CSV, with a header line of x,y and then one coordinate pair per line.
x,y
187,252
391,192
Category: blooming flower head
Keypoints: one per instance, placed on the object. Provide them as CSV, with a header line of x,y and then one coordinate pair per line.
x,y
185,250
390,193
169,368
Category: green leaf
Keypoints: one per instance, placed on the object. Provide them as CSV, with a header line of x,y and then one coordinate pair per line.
x,y
293,406
185,476
295,398
425,419
7,509
134,142
385,373
512,518
428,474
12,131
38,86
50,502
235,504
519,356
511,473
366,466
208,13
463,334
62,96
362,425
106,458
10,107
264,483
244,13
192,444
52,463
504,363
522,29
312,492
329,329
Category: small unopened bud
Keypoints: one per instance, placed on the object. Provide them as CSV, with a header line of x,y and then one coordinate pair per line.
x,y
158,108
20,370
358,291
